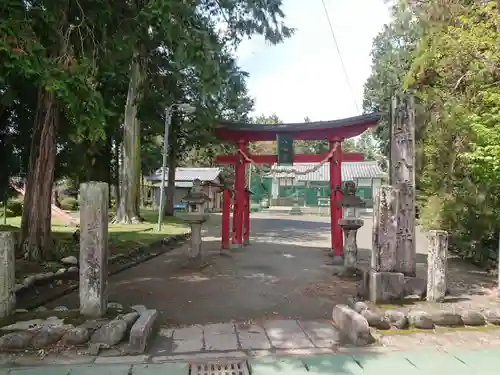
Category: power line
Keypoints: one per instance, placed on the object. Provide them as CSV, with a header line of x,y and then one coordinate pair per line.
x,y
340,56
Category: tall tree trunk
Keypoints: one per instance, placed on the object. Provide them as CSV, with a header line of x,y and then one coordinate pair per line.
x,y
130,170
172,165
116,171
36,237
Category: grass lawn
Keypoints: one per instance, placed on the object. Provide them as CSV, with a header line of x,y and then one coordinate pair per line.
x,y
122,238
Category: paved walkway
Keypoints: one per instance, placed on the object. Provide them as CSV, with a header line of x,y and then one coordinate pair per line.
x,y
419,362
250,338
282,274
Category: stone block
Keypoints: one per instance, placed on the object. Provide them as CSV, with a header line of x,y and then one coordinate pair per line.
x,y
7,274
473,318
141,331
420,319
188,333
187,346
375,320
94,248
322,334
252,336
286,334
386,286
397,318
221,342
492,317
385,227
110,334
353,327
437,266
447,319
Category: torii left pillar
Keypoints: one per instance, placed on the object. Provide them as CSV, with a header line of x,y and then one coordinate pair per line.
x,y
226,217
335,161
239,195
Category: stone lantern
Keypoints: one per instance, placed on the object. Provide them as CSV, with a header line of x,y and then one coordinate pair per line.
x,y
196,204
350,225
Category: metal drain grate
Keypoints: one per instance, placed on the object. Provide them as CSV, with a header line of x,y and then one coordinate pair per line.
x,y
220,368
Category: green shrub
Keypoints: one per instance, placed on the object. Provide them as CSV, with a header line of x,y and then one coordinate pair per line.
x,y
8,212
69,203
15,207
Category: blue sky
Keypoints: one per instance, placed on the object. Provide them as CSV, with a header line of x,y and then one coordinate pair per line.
x,y
304,76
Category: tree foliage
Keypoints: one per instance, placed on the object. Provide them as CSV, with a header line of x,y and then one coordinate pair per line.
x,y
452,66
81,79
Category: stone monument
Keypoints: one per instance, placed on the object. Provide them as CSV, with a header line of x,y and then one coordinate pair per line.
x,y
383,282
94,198
437,265
384,231
195,215
403,178
350,225
7,274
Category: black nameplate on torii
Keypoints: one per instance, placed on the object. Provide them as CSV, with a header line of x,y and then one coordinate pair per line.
x,y
284,145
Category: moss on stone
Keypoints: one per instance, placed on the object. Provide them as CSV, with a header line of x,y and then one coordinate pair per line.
x,y
394,305
409,331
69,317
413,330
72,317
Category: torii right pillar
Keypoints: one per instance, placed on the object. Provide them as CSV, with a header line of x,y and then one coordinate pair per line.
x,y
335,198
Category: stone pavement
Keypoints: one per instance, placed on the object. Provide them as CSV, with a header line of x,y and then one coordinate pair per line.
x,y
249,337
417,362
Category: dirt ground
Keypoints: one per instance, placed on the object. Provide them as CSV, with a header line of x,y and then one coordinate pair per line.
x,y
284,273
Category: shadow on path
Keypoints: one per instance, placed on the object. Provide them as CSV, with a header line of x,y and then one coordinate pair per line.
x,y
283,273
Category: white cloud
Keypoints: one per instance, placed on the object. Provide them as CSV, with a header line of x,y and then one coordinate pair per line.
x,y
303,76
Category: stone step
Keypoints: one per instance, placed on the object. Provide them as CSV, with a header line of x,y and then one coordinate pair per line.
x,y
229,337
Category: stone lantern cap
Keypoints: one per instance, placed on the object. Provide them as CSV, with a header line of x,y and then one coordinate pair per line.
x,y
349,198
196,194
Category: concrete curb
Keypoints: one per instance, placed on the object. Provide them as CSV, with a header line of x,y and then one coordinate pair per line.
x,y
141,331
353,327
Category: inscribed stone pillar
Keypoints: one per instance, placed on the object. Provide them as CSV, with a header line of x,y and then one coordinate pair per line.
x,y
403,178
384,246
93,248
7,274
437,266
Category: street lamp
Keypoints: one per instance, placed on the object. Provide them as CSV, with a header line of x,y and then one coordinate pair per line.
x,y
182,107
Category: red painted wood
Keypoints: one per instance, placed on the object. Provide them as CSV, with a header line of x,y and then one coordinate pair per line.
x,y
333,212
226,214
337,177
299,158
306,135
239,197
246,226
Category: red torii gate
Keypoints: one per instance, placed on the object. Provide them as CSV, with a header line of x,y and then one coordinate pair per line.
x,y
333,131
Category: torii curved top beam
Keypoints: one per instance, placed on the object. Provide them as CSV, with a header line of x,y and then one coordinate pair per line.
x,y
342,128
